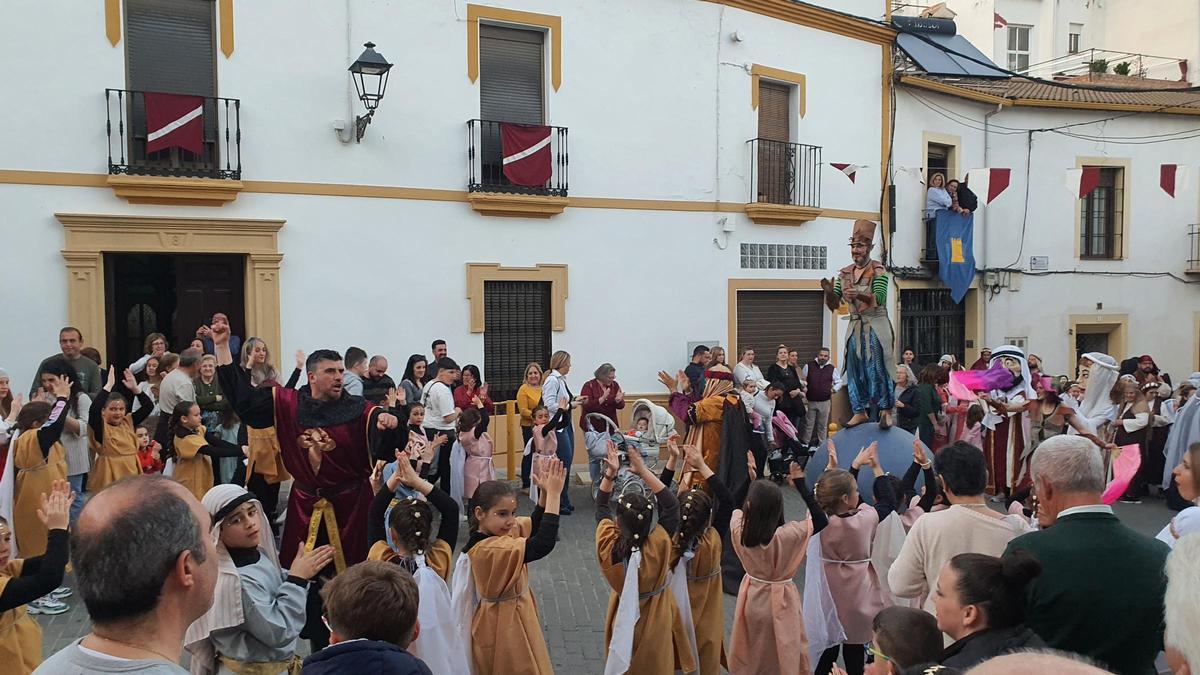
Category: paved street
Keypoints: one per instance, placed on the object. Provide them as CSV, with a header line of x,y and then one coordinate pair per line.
x,y
570,592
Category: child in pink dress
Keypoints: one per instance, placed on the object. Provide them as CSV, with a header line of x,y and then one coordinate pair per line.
x,y
768,631
472,434
846,554
543,444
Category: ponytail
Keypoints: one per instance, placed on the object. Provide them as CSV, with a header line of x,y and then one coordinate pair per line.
x,y
411,522
634,515
695,510
182,408
996,585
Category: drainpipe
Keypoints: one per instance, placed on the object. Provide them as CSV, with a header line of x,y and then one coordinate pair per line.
x,y
983,248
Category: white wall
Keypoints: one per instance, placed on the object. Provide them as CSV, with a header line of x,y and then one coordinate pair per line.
x,y
657,100
1160,309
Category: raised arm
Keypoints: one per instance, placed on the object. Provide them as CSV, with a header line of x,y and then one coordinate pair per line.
x,y
550,485
255,407
44,573
94,415
52,429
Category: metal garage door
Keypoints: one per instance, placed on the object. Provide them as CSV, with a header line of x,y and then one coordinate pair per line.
x,y
766,319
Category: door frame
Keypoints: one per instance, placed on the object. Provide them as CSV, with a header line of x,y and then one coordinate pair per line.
x,y
89,236
1116,326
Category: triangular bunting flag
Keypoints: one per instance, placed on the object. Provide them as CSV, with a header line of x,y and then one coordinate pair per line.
x,y
1081,182
1172,178
848,169
988,183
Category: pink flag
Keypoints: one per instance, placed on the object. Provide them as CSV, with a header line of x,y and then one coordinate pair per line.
x,y
1124,468
964,383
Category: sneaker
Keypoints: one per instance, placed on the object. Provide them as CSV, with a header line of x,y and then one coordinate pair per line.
x,y
48,606
60,593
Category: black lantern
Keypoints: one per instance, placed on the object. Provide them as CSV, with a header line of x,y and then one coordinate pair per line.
x,y
370,74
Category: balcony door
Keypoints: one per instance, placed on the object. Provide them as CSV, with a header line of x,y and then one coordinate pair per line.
x,y
511,89
170,47
776,156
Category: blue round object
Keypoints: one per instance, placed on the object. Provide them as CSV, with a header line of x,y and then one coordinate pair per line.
x,y
895,455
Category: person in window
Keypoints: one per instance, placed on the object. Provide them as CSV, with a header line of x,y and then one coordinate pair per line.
x,y
936,197
962,198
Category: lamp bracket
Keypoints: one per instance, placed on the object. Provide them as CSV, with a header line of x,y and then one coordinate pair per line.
x,y
360,125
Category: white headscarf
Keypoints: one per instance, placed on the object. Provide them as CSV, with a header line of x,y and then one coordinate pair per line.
x,y
226,610
1014,352
1101,378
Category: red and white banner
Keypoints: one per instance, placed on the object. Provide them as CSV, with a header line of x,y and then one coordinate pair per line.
x,y
1081,182
1172,178
848,169
989,183
998,21
174,121
526,151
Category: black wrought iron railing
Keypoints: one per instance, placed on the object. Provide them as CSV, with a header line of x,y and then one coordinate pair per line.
x,y
221,151
785,173
929,252
485,154
1193,262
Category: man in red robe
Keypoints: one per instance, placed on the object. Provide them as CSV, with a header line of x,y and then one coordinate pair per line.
x,y
326,437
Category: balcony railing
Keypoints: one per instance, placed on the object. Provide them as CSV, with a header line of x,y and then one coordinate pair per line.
x,y
1193,262
785,173
929,252
222,148
486,161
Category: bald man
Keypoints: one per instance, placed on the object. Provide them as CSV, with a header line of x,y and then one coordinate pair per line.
x,y
146,569
1036,662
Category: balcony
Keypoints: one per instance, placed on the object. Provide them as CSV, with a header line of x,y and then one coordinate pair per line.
x,y
786,179
211,177
533,184
1193,261
929,252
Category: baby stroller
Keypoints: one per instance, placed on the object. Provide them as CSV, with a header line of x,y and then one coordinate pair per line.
x,y
601,429
791,448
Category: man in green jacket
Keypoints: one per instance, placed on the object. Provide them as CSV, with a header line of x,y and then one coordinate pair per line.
x,y
1100,593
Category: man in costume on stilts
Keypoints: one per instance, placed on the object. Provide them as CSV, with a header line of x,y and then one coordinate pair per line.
x,y
326,438
870,359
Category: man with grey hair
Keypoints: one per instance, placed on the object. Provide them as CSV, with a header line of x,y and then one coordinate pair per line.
x,y
177,386
146,568
1100,593
1183,613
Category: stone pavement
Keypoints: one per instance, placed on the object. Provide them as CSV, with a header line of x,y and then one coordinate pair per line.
x,y
571,594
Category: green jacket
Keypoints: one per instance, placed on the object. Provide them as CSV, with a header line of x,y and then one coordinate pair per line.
x,y
1100,593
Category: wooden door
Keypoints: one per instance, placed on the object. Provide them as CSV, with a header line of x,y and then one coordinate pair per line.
x,y
776,158
139,300
205,284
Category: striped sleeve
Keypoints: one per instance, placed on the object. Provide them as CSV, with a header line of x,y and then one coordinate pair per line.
x,y
837,286
879,286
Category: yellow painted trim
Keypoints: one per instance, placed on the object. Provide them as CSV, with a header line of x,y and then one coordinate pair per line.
x,y
1115,325
526,206
735,285
173,191
112,21
99,180
1126,166
225,16
960,92
781,214
551,23
89,236
556,274
951,140
759,71
804,14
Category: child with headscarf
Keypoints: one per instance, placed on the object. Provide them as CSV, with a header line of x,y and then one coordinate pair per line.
x,y
258,608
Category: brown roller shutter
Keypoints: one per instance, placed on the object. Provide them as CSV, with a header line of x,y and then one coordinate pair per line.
x,y
767,319
774,105
510,70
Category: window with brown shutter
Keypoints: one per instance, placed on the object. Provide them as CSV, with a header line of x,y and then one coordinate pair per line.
x,y
516,332
767,319
776,156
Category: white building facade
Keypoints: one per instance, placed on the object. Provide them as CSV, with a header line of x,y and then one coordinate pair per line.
x,y
665,223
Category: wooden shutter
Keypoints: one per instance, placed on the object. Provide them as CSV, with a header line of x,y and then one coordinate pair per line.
x,y
169,46
774,111
767,319
516,331
510,71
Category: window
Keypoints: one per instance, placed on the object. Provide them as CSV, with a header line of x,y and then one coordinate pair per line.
x,y
776,155
1073,38
516,332
767,319
170,48
1018,47
931,323
783,257
511,74
1102,217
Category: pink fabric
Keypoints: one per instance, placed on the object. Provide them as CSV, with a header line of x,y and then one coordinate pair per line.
x,y
974,435
1125,467
964,383
542,447
478,466
846,550
768,631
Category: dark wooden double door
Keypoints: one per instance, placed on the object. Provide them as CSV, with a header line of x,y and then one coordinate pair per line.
x,y
169,294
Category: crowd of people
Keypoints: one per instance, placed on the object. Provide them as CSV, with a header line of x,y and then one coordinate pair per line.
x,y
218,516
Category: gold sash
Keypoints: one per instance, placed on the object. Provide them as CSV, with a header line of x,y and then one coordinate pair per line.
x,y
291,666
324,510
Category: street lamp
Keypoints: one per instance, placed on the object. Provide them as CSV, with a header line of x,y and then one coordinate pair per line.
x,y
370,74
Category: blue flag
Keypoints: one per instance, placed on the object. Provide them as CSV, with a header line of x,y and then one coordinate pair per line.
x,y
956,251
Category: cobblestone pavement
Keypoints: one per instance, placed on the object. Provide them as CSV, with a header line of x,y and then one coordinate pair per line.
x,y
571,594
